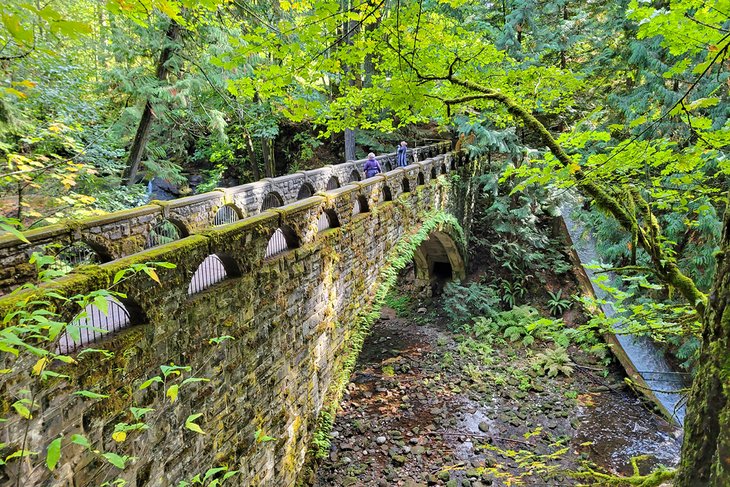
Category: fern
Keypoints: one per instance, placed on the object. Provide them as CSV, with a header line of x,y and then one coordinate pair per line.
x,y
463,302
553,361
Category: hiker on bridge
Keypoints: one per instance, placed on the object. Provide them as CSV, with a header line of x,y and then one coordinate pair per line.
x,y
372,166
402,155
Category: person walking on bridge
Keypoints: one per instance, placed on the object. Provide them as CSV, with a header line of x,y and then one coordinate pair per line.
x,y
402,154
372,166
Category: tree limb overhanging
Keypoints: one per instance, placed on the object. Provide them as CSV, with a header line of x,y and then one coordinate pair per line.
x,y
648,234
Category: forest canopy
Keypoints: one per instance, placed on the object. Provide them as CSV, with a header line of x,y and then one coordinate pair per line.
x,y
622,102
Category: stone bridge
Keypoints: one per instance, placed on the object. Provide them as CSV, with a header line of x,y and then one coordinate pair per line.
x,y
108,237
270,309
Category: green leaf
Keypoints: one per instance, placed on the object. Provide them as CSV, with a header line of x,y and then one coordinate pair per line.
x,y
53,454
80,440
212,471
149,382
102,303
189,423
46,374
194,379
106,353
20,454
19,33
90,395
172,392
139,412
119,275
71,28
116,460
11,229
22,410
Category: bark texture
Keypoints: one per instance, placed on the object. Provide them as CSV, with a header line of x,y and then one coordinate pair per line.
x,y
706,450
172,36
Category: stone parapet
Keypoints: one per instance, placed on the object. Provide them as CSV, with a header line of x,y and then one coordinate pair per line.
x,y
126,232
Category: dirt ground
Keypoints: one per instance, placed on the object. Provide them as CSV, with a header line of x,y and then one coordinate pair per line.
x,y
427,407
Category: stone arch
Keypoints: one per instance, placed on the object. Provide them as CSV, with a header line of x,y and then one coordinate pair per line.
x,y
76,254
438,260
387,166
405,186
360,205
272,200
333,183
163,232
328,219
120,313
354,175
227,214
283,239
214,269
433,171
387,193
305,191
421,179
443,167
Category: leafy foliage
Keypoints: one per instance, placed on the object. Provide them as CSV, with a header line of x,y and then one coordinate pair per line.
x,y
557,304
553,361
462,302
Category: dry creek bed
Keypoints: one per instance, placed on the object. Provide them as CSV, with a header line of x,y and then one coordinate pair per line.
x,y
421,411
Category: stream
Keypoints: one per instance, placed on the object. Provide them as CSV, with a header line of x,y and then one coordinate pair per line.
x,y
646,356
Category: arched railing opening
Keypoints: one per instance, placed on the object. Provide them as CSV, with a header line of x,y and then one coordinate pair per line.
x,y
305,191
360,206
282,240
211,271
443,167
387,166
277,244
333,183
271,200
73,255
95,321
453,162
387,194
354,175
163,233
421,179
433,172
405,186
226,214
324,222
328,219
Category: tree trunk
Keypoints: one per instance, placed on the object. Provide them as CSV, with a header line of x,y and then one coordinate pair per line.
x,y
139,144
253,160
348,30
706,450
349,145
563,60
267,150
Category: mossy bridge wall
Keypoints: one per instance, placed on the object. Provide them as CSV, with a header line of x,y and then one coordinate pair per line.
x,y
291,318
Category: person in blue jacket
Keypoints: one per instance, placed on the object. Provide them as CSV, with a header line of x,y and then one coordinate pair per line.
x,y
402,154
372,166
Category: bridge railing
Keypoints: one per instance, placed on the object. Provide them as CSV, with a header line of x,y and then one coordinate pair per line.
x,y
119,234
241,249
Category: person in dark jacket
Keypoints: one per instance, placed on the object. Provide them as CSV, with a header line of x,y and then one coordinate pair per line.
x,y
402,155
372,166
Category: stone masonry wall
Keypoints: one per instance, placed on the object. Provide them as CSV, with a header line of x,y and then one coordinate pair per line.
x,y
291,318
124,233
